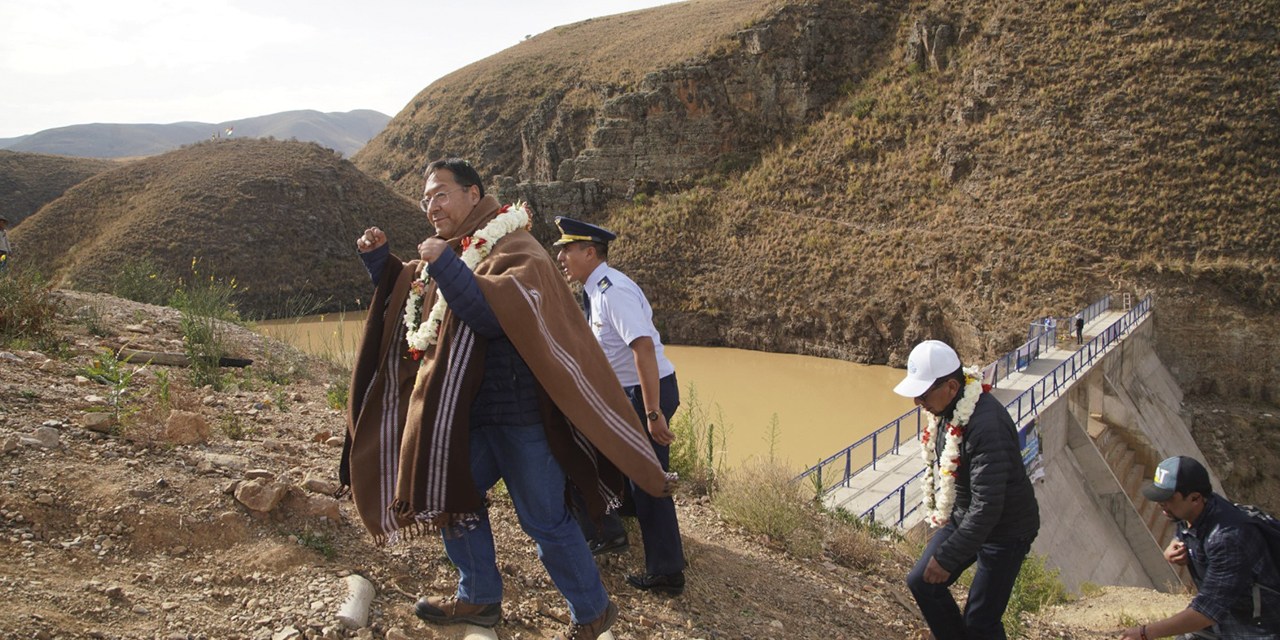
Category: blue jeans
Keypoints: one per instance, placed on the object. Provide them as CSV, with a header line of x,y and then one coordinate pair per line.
x,y
998,565
522,457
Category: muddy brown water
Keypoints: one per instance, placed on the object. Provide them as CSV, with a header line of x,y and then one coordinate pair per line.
x,y
821,405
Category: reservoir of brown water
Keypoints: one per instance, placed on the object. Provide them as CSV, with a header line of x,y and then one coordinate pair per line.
x,y
821,405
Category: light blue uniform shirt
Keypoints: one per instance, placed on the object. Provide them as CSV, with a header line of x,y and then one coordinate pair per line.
x,y
619,315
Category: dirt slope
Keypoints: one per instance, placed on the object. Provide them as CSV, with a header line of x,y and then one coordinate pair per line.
x,y
129,535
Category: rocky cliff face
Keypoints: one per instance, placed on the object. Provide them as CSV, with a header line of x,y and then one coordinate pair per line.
x,y
587,139
682,120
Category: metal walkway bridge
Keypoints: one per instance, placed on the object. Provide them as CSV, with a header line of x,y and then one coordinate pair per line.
x,y
878,476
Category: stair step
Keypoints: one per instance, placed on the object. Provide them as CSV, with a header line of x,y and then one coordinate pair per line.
x,y
1114,453
1124,462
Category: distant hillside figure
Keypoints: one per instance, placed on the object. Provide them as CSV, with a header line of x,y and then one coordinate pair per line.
x,y
976,489
6,249
1079,329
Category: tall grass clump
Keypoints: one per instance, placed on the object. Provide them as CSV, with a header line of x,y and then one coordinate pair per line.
x,y
28,310
853,541
698,453
761,498
205,303
142,281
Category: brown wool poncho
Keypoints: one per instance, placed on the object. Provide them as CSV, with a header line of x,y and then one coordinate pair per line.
x,y
406,458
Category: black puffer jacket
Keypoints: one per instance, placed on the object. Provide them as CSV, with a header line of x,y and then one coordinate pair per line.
x,y
994,498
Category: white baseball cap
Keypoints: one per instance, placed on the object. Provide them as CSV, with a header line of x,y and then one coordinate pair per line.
x,y
929,361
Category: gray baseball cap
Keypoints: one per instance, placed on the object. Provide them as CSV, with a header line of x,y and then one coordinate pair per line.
x,y
1179,474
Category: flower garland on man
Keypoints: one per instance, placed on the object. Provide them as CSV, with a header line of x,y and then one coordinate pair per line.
x,y
481,367
976,490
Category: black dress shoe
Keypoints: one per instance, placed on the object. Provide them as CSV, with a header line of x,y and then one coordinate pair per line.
x,y
612,545
671,583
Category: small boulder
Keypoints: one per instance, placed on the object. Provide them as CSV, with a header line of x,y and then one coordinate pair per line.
x,y
46,437
320,485
97,421
259,495
316,506
185,427
259,474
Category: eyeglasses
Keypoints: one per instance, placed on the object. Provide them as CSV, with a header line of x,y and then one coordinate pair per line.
x,y
933,387
441,198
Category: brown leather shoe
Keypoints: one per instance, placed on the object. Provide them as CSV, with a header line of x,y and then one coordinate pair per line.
x,y
451,610
593,629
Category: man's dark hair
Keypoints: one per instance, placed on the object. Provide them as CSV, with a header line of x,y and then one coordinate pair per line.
x,y
958,376
602,249
463,173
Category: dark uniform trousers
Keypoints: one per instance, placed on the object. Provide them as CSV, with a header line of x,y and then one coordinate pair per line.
x,y
659,528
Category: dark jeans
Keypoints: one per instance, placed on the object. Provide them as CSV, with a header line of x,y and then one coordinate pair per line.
x,y
998,565
659,528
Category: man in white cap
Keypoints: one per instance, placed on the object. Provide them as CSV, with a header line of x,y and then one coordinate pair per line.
x,y
976,490
1228,554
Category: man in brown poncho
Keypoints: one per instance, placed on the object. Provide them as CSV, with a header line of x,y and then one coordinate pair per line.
x,y
503,381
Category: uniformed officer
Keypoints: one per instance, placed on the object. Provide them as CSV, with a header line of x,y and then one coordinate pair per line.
x,y
622,320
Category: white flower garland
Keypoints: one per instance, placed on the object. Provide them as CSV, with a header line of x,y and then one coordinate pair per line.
x,y
474,249
940,475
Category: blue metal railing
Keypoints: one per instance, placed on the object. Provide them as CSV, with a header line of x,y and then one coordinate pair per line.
x,y
875,438
1029,401
842,463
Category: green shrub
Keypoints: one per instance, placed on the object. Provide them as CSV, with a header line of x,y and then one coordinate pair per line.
x,y
163,399
109,370
28,310
235,429
698,452
203,303
318,542
337,393
142,281
90,317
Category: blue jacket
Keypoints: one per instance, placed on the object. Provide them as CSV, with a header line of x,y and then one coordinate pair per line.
x,y
507,395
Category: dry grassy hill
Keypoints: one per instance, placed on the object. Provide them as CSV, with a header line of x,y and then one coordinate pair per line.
x,y
279,217
29,181
1056,151
961,167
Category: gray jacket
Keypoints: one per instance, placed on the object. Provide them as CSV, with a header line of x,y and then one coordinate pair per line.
x,y
994,498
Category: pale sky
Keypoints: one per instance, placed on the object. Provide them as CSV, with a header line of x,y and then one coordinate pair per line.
x,y
65,62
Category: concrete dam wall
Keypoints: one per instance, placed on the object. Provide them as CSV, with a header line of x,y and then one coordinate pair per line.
x,y
1101,438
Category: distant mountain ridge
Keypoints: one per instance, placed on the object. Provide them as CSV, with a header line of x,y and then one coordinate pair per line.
x,y
343,132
